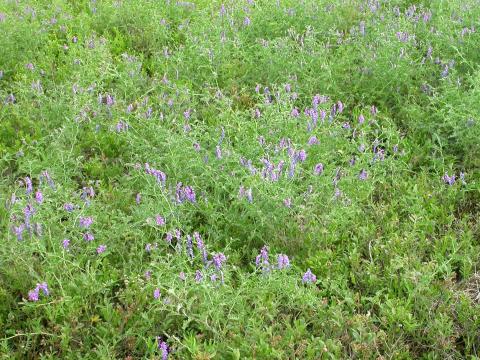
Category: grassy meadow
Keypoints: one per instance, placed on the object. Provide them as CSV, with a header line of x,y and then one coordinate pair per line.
x,y
239,179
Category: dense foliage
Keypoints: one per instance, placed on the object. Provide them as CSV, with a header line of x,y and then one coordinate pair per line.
x,y
240,179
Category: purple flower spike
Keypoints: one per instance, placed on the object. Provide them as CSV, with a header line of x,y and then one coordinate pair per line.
x,y
302,155
169,238
69,207
315,101
313,141
101,249
46,175
85,222
163,347
201,246
318,169
159,175
339,106
262,259
287,202
178,234
148,113
88,237
241,192
363,175
323,114
39,197
309,277
121,126
160,221
28,185
283,261
138,198
450,180
198,276
44,287
87,192
190,194
218,260
29,210
66,243
109,100
18,231
361,119
291,169
33,295
156,293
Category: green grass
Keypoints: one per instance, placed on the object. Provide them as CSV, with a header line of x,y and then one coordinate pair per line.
x,y
395,253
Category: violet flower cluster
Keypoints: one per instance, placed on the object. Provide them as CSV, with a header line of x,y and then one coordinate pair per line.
x,y
33,295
